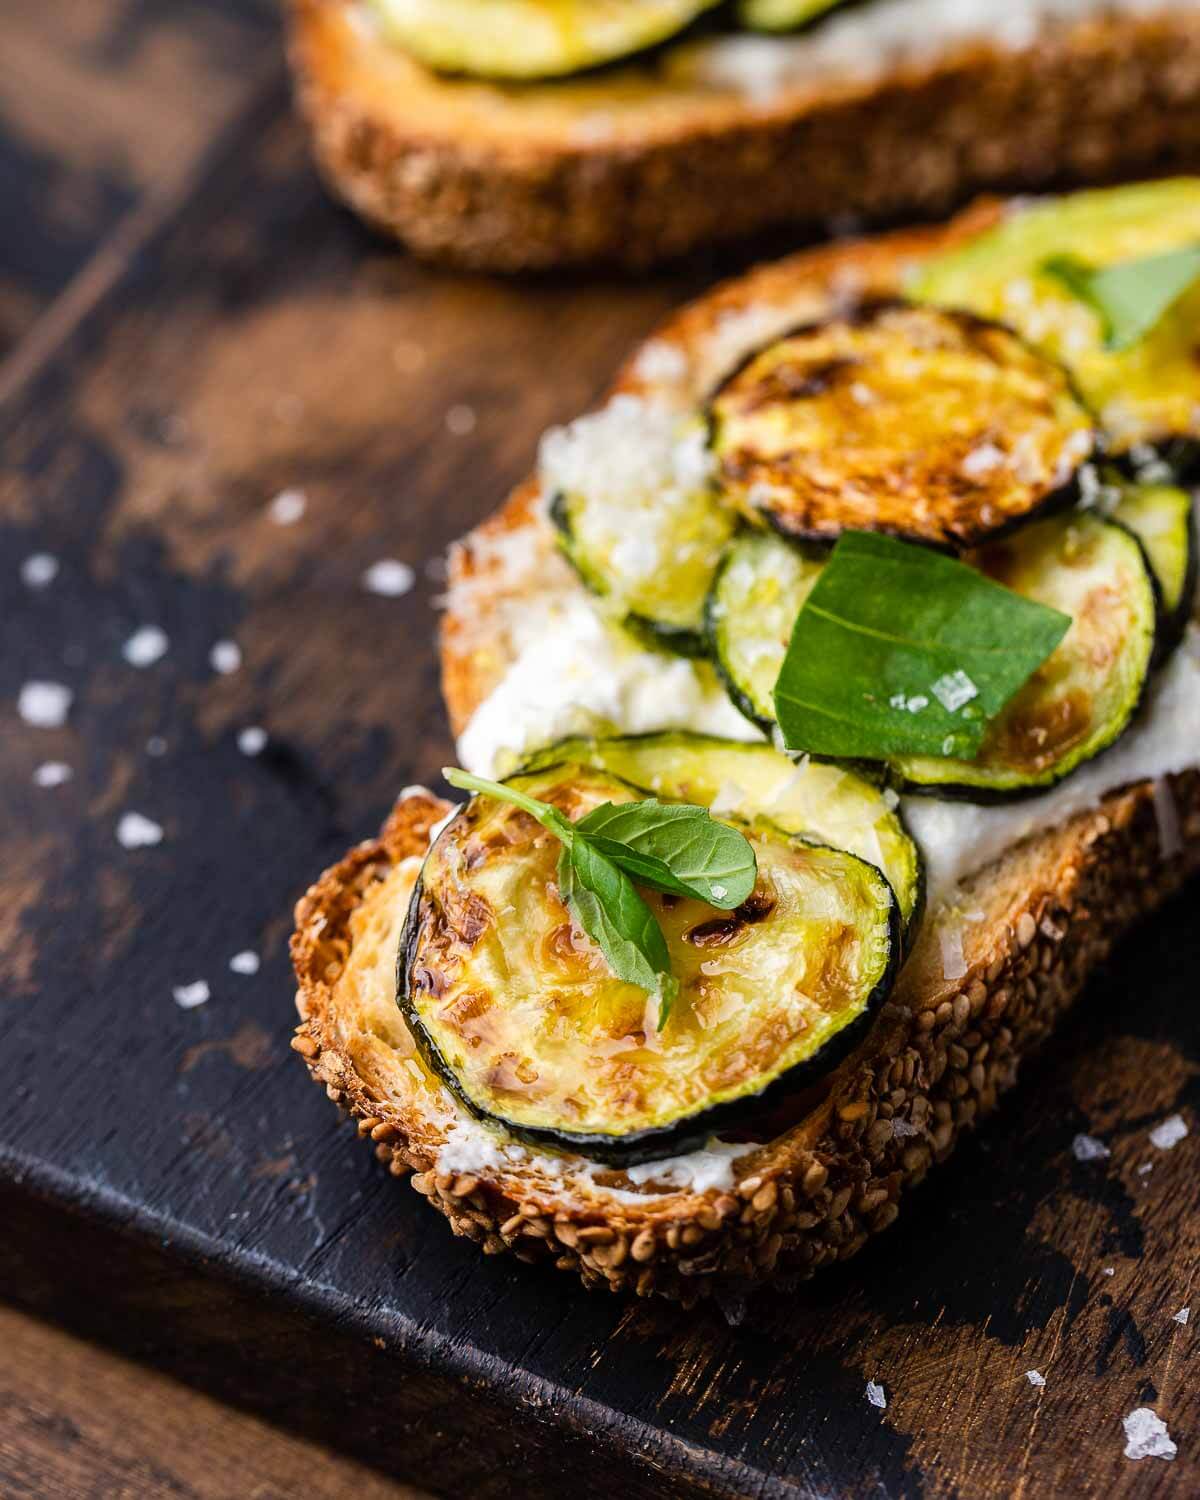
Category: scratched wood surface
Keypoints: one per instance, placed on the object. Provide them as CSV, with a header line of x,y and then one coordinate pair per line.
x,y
169,1178
79,1423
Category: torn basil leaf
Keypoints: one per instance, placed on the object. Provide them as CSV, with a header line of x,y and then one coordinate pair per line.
x,y
899,650
1131,296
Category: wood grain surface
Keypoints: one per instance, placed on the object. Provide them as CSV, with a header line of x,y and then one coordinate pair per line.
x,y
170,1180
77,1423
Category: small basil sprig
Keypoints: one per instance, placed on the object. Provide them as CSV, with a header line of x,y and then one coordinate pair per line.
x,y
1132,296
899,650
669,847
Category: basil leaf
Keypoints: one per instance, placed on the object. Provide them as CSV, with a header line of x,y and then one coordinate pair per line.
x,y
549,817
902,651
679,849
609,909
1131,296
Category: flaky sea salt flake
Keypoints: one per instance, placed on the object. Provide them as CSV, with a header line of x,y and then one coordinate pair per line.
x,y
1182,1316
876,1396
245,962
146,646
45,705
954,690
52,773
389,578
1035,1377
134,831
188,996
1169,1133
1146,1435
225,657
288,507
39,570
1088,1148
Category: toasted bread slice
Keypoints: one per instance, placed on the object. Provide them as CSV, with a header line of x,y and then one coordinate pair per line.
x,y
942,1051
641,162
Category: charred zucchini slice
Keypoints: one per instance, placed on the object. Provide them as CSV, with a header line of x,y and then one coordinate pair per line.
x,y
827,804
522,1017
1160,516
759,590
1143,394
1083,697
782,15
935,426
526,39
643,527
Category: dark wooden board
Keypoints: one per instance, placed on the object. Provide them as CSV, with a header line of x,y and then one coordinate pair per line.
x,y
171,1180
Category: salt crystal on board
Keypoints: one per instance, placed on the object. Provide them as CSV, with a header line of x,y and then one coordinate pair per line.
x,y
137,832
52,773
39,570
188,996
389,578
225,657
1088,1148
1035,1377
287,507
1146,1435
246,962
876,1396
146,646
1169,1133
45,705
1181,1316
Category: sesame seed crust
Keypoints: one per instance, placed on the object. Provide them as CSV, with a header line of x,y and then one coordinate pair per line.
x,y
505,180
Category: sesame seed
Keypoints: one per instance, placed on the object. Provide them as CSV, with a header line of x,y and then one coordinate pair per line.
x,y
245,962
145,646
225,657
137,832
461,420
252,740
45,705
389,578
188,996
52,773
39,570
288,506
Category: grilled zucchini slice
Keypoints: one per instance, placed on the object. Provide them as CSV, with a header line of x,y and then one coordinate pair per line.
x,y
1083,697
527,39
759,590
1160,516
824,803
524,1020
782,15
1143,394
935,426
646,531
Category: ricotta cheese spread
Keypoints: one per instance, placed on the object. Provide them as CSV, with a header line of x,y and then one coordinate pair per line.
x,y
874,39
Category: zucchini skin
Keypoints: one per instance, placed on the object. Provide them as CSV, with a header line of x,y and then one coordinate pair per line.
x,y
1061,498
740,700
661,1141
993,795
678,640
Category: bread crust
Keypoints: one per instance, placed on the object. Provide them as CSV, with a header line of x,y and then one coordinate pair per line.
x,y
625,167
938,1058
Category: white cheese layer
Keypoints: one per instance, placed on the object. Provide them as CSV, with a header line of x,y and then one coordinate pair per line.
x,y
577,674
876,38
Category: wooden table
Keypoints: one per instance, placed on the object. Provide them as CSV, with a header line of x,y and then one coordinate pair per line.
x,y
187,329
